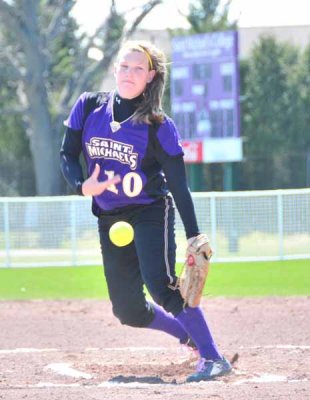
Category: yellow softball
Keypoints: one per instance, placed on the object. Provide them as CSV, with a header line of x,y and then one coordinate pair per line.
x,y
121,233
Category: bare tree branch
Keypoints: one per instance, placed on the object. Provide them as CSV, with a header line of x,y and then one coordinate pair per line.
x,y
101,30
147,8
8,11
17,71
31,31
74,85
63,8
13,111
90,41
12,18
134,8
90,73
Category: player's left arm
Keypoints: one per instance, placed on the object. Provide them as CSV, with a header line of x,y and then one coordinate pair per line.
x,y
175,174
169,154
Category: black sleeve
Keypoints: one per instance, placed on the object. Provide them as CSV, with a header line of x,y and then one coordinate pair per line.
x,y
175,173
69,159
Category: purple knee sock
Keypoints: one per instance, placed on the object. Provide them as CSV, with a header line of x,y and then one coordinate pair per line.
x,y
166,322
194,322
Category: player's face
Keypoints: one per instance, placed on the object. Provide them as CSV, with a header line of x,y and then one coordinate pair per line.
x,y
132,74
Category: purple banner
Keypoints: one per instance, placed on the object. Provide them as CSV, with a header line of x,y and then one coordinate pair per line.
x,y
205,85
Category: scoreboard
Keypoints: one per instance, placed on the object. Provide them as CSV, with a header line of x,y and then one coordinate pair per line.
x,y
205,96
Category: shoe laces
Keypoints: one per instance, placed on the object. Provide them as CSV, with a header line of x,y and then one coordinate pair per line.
x,y
204,364
201,365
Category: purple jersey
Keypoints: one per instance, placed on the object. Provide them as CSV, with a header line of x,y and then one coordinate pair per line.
x,y
130,152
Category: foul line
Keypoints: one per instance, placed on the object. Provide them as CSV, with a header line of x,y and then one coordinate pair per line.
x,y
22,350
26,350
279,346
264,378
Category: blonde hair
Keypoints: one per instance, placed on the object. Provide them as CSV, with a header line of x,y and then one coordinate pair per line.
x,y
150,109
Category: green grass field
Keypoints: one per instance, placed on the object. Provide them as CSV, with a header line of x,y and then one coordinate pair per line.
x,y
280,278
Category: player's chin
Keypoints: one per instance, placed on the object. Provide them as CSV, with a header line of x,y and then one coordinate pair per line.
x,y
129,90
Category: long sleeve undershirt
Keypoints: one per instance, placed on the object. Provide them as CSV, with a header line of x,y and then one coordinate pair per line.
x,y
175,174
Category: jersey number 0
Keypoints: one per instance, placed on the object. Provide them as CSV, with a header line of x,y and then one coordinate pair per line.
x,y
132,183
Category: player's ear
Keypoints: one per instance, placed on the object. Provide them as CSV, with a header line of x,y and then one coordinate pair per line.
x,y
115,68
151,76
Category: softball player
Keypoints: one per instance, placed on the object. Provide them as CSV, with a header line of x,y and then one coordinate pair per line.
x,y
134,164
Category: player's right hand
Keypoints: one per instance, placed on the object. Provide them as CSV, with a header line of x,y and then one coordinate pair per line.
x,y
93,187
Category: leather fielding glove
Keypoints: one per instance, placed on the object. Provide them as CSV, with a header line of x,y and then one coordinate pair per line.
x,y
195,270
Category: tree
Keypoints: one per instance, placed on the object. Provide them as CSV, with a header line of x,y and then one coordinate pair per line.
x,y
207,16
298,128
14,144
49,62
274,117
304,87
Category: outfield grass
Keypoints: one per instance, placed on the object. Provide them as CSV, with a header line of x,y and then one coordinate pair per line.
x,y
280,278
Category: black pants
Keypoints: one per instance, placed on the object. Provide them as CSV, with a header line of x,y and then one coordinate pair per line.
x,y
149,260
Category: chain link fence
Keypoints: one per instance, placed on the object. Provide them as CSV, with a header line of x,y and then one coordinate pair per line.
x,y
242,226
